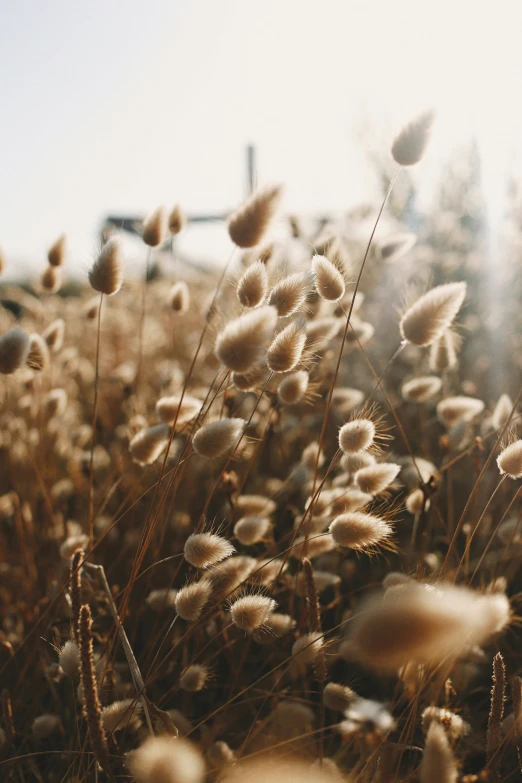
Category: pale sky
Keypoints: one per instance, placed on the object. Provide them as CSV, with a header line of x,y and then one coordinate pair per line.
x,y
116,106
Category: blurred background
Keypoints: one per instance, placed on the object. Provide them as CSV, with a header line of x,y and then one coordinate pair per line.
x,y
112,108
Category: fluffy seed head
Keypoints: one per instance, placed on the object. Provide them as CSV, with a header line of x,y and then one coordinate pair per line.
x,y
351,463
54,334
242,342
253,285
247,226
174,409
394,247
419,623
106,274
502,411
14,350
56,253
438,762
315,546
218,437
161,599
69,659
359,531
155,227
356,435
452,724
206,549
251,611
293,387
45,725
230,574
166,760
415,502
421,389
306,649
337,697
290,294
410,143
38,357
252,379
430,316
148,444
220,755
329,282
190,600
193,678
51,279
120,715
346,399
287,347
254,505
179,297
510,460
55,402
443,353
177,220
455,409
322,330
375,478
251,530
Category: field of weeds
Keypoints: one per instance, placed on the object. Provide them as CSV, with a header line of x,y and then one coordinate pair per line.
x,y
267,523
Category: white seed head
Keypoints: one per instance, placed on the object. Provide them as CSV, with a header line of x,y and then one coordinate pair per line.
x,y
166,760
120,715
14,350
421,389
415,502
251,611
218,437
502,411
174,409
443,353
455,409
410,143
285,351
193,678
249,223
161,599
359,531
329,282
254,505
438,762
190,600
203,550
106,274
292,388
243,341
395,247
510,460
306,649
251,530
148,444
376,478
69,658
253,285
289,295
356,435
155,227
431,315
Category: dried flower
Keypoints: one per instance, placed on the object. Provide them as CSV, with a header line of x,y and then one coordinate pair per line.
x,y
410,143
376,478
45,725
338,697
306,649
190,600
254,505
51,279
453,724
421,389
290,294
359,531
218,437
206,549
106,274
253,285
329,282
175,409
292,388
69,658
249,223
394,247
148,444
54,335
510,460
161,599
14,350
438,762
120,715
455,409
502,411
166,760
38,356
251,611
356,435
155,227
287,347
179,297
443,353
193,678
416,502
243,341
251,530
432,314
56,252
177,220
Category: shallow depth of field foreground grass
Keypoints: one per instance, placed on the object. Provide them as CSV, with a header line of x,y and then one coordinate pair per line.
x,y
267,523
